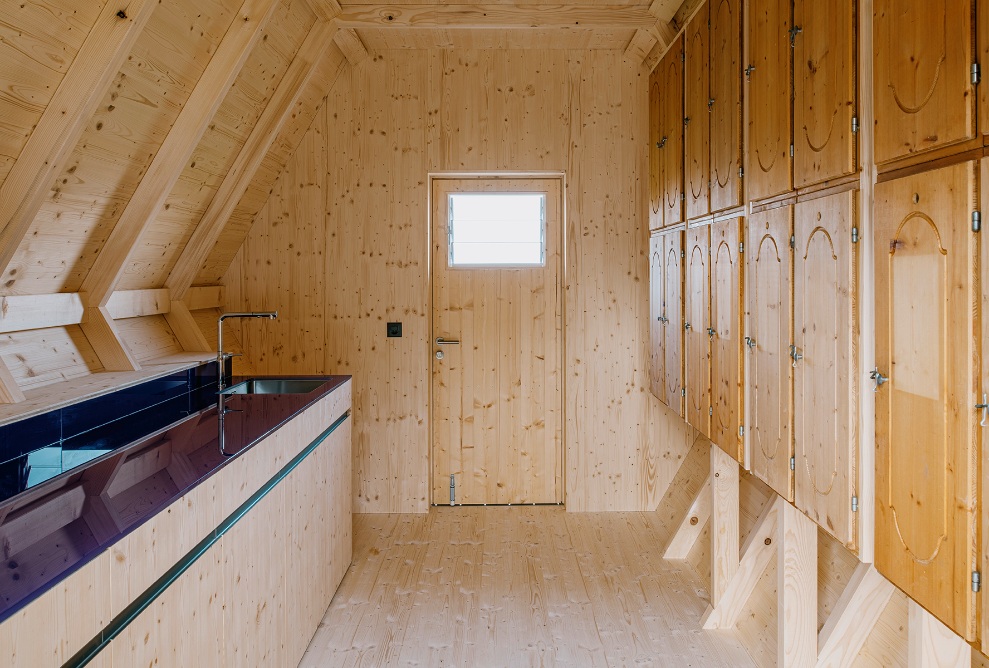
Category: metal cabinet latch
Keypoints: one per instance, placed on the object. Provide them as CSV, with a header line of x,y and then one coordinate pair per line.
x,y
750,342
711,332
878,378
796,355
984,407
663,319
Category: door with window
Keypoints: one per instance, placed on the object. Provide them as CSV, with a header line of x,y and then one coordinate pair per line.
x,y
497,341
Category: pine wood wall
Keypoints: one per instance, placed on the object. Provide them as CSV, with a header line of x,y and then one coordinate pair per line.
x,y
341,246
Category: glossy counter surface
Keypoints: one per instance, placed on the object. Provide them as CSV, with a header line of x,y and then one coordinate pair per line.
x,y
49,530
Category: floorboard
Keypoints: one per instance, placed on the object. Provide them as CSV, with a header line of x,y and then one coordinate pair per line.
x,y
517,586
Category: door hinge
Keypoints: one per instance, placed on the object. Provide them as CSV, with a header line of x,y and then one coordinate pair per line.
x,y
683,391
683,196
855,235
976,221
741,246
793,463
686,121
453,489
855,124
976,581
741,430
710,410
682,255
976,73
793,241
741,172
855,504
791,150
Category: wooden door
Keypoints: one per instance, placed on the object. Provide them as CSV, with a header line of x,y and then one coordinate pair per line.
x,y
825,373
697,329
923,88
697,112
673,306
657,318
767,99
726,345
656,148
671,155
982,57
925,415
824,95
726,109
497,396
768,272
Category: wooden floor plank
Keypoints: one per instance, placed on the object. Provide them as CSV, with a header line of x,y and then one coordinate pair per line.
x,y
518,586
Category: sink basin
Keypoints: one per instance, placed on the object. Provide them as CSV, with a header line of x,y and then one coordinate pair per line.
x,y
274,386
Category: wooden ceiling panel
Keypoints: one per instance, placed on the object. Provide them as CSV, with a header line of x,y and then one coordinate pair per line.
x,y
379,39
117,146
504,16
160,246
38,41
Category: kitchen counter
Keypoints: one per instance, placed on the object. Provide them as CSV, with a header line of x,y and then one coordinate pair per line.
x,y
124,478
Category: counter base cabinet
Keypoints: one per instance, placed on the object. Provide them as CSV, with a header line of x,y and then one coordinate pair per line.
x,y
925,417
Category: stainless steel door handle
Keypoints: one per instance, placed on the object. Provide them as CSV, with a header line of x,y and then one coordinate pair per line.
x,y
440,341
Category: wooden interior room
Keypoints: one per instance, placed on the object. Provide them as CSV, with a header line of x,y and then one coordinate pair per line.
x,y
556,333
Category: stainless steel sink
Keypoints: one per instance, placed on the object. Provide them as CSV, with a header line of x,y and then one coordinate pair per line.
x,y
274,386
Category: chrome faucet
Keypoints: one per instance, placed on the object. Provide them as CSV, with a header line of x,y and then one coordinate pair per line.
x,y
220,355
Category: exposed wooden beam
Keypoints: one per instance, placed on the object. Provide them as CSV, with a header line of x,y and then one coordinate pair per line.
x,y
796,590
495,16
640,45
692,525
351,45
55,136
142,209
724,522
683,15
205,296
759,548
277,112
125,304
22,312
931,644
853,617
102,333
186,329
325,9
10,391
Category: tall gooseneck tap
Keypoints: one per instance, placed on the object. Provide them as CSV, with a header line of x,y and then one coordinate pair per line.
x,y
220,355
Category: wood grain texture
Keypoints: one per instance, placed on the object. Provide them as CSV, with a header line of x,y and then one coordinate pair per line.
x,y
853,618
673,332
689,531
932,644
106,340
658,320
671,134
796,589
727,273
725,64
697,328
657,148
724,524
494,16
10,391
697,116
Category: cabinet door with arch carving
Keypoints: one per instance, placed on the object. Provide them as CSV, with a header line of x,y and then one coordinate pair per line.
x,y
824,94
925,417
767,99
726,344
671,139
696,122
924,96
656,178
768,322
726,109
657,318
825,363
697,328
673,325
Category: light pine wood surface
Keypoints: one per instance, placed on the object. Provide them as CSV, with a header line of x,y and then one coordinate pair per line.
x,y
516,586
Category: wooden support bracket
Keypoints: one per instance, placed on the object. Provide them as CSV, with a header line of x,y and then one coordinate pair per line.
x,y
640,45
351,45
724,522
99,328
759,548
692,525
931,644
859,607
186,329
796,590
10,391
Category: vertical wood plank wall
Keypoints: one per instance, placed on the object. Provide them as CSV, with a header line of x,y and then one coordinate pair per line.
x,y
341,248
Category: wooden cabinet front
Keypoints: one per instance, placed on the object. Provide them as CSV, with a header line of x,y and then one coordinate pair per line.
x,y
673,263
696,122
657,318
697,329
824,95
825,393
671,138
726,109
656,148
924,96
767,99
925,416
768,271
726,344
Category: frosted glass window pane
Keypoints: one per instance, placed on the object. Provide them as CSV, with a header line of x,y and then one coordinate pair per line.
x,y
497,229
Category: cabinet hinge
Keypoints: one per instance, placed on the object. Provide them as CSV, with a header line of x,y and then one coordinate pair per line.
x,y
710,410
683,197
976,73
741,172
683,391
855,504
453,489
793,463
741,246
855,235
791,150
976,581
741,430
793,241
976,221
855,124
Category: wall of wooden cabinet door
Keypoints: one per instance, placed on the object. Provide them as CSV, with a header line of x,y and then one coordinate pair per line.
x,y
726,345
697,112
825,392
673,307
924,96
656,179
657,331
982,57
768,323
671,155
925,420
767,99
726,111
697,332
824,93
